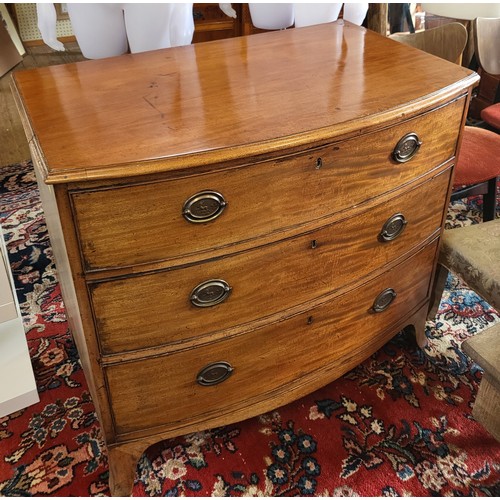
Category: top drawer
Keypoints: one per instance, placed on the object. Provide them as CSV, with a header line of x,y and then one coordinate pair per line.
x,y
136,224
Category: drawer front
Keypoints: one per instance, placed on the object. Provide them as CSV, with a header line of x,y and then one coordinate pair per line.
x,y
144,223
160,308
164,390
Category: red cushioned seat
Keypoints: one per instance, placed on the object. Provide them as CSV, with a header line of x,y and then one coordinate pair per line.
x,y
478,168
491,115
479,157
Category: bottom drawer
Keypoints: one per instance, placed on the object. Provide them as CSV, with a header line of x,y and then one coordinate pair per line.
x,y
266,363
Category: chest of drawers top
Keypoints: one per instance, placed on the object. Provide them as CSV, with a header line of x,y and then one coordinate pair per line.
x,y
227,100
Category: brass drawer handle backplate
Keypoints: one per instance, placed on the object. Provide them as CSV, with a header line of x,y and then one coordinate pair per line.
x,y
204,206
209,293
214,373
406,147
383,300
393,227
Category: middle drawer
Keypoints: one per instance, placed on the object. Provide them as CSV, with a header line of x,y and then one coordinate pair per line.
x,y
181,304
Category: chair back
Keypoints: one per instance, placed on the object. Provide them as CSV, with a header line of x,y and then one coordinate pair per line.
x,y
447,41
487,41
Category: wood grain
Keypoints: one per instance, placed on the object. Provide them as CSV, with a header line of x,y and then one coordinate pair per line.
x,y
284,193
268,360
15,147
122,477
250,118
225,99
263,280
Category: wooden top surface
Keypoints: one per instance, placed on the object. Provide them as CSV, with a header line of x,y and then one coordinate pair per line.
x,y
226,99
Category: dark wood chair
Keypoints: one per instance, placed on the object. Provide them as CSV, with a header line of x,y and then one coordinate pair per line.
x,y
487,40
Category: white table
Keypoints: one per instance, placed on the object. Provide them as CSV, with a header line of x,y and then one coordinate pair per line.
x,y
17,382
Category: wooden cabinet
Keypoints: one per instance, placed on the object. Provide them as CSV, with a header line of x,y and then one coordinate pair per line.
x,y
488,92
239,223
212,24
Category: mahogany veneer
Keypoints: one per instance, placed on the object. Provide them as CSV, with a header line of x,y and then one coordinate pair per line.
x,y
237,223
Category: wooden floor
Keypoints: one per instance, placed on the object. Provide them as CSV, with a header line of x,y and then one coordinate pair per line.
x,y
13,144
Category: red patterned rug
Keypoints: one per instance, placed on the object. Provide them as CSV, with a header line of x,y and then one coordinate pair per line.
x,y
399,424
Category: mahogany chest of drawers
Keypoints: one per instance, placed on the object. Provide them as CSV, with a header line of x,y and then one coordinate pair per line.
x,y
237,223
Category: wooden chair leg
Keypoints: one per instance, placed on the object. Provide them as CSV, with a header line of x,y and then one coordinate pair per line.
x,y
490,201
418,325
437,291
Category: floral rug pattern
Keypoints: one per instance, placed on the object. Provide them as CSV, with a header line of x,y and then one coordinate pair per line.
x,y
398,424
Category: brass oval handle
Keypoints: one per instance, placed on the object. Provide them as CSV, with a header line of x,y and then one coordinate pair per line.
x,y
406,147
209,293
393,227
383,300
214,373
204,206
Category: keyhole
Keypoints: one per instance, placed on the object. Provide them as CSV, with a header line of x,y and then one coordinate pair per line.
x,y
309,320
319,163
314,244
